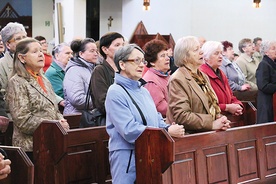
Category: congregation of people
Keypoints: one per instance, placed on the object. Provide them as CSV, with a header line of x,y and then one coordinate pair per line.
x,y
186,89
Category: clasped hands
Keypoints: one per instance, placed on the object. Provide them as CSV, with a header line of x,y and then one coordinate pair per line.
x,y
64,124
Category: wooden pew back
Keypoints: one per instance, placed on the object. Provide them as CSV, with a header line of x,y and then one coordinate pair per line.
x,y
76,156
238,155
6,137
22,168
73,120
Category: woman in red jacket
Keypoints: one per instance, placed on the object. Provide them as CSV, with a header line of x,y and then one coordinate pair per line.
x,y
212,54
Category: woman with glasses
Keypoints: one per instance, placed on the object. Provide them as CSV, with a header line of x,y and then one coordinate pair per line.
x,y
157,76
78,74
103,75
124,122
192,101
47,56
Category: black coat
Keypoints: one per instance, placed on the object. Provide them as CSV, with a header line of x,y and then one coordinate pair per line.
x,y
266,82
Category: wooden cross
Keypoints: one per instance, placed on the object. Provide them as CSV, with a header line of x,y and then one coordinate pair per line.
x,y
109,24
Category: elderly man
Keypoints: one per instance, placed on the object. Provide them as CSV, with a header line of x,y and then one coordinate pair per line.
x,y
247,63
11,34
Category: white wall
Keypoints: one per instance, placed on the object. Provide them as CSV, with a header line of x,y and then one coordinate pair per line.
x,y
214,19
42,11
111,8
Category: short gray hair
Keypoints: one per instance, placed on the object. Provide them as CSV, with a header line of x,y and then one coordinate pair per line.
x,y
209,47
122,54
182,48
11,29
57,49
266,46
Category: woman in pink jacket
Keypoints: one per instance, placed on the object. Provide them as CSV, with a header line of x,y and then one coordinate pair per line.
x,y
157,75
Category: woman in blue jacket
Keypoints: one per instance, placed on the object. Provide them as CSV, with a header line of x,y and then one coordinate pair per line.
x,y
124,123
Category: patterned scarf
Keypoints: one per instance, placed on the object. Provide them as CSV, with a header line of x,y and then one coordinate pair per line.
x,y
38,79
212,98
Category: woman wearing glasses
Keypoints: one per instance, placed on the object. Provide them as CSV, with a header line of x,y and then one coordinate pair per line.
x,y
157,75
124,123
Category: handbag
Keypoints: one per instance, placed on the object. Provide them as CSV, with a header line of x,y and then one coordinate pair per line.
x,y
91,118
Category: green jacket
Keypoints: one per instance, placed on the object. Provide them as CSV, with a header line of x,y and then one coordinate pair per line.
x,y
55,75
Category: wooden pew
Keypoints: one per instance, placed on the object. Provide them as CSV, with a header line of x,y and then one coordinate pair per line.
x,y
22,169
73,120
239,155
6,137
76,156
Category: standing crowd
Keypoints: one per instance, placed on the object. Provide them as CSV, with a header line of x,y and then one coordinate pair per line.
x,y
186,89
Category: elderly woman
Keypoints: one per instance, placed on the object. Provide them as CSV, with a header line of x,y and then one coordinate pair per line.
x,y
11,34
157,76
266,82
62,53
192,101
78,74
232,71
30,96
124,122
212,55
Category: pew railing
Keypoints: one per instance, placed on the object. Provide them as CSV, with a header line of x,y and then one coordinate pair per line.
x,y
22,168
77,156
239,155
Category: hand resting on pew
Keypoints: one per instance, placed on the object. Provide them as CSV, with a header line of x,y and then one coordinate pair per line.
x,y
176,130
64,124
5,168
221,123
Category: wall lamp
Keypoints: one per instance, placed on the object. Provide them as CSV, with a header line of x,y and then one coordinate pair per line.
x,y
256,3
146,5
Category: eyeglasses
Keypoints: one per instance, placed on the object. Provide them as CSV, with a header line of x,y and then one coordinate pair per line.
x,y
17,39
138,61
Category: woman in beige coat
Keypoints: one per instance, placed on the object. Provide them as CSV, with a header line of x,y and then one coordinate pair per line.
x,y
30,96
192,101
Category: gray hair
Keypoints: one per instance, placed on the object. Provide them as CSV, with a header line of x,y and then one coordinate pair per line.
x,y
58,48
209,47
11,29
266,46
182,48
122,54
243,44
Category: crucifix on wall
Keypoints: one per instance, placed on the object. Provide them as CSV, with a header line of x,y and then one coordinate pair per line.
x,y
109,24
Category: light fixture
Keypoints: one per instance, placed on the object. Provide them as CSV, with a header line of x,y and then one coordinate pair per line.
x,y
256,3
146,5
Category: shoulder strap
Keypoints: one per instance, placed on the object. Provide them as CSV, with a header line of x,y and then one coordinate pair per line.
x,y
107,75
88,95
133,101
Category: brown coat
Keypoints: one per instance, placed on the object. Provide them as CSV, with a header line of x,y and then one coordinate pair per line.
x,y
188,104
29,105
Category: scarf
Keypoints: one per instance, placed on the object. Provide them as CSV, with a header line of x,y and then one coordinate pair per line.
x,y
38,78
212,98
